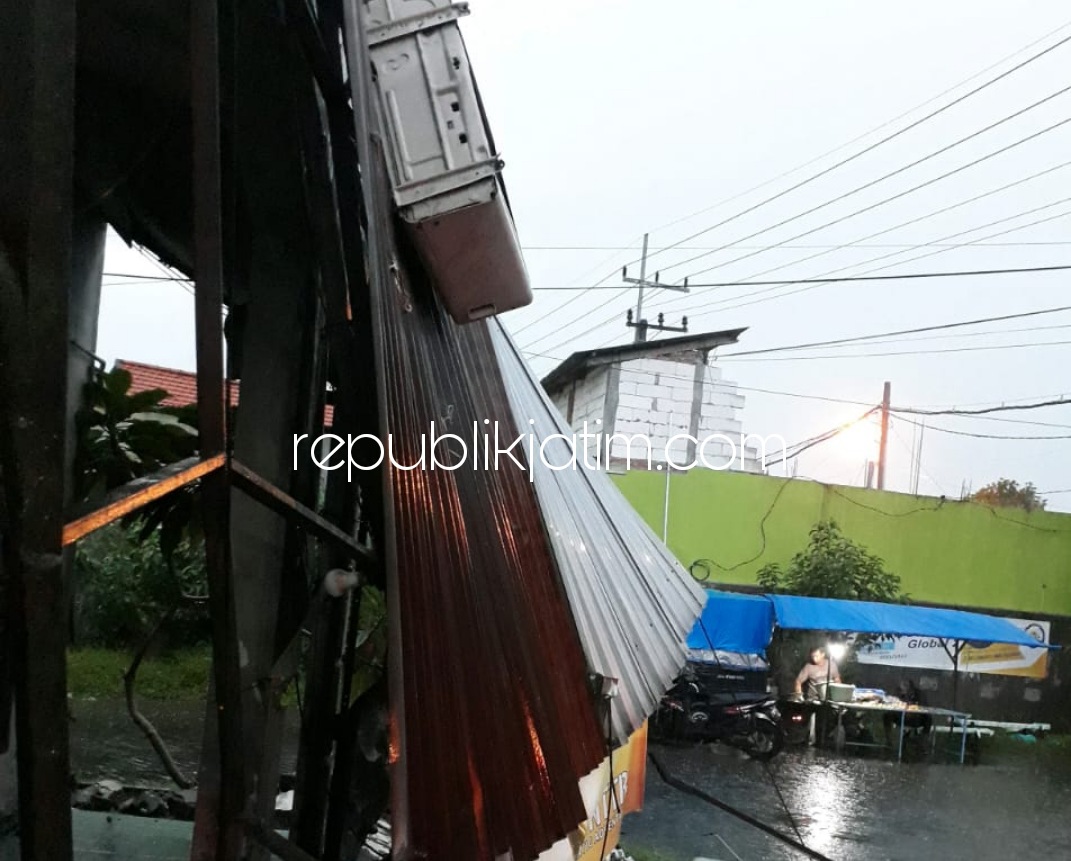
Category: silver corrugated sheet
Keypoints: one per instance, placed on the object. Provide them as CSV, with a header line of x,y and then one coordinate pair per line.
x,y
633,603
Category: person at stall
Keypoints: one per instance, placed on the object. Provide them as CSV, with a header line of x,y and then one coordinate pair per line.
x,y
819,669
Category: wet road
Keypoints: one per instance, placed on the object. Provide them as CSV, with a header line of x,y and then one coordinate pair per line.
x,y
850,808
106,744
845,807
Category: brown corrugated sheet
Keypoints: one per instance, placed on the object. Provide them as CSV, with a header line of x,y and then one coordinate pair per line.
x,y
493,717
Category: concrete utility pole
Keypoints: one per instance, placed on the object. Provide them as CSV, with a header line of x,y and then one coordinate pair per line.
x,y
639,323
884,444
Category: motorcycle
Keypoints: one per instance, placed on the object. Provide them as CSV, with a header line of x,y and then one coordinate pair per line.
x,y
688,713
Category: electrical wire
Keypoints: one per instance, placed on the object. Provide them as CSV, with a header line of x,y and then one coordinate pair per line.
x,y
805,246
978,321
825,171
721,384
1053,402
688,789
978,435
901,194
907,276
842,162
703,563
890,175
859,243
758,297
828,399
926,352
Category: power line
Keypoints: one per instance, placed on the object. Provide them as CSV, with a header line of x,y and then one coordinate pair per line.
x,y
939,429
804,246
905,276
872,206
1054,402
875,145
866,134
909,222
842,162
906,352
978,321
146,277
759,297
722,384
727,303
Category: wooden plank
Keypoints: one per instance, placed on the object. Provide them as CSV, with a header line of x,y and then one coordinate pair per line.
x,y
140,492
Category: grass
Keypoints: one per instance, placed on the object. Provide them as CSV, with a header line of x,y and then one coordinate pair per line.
x,y
1050,747
179,675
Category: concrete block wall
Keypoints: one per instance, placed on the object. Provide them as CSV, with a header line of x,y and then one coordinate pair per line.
x,y
654,401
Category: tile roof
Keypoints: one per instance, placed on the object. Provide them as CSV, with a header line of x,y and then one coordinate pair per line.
x,y
181,386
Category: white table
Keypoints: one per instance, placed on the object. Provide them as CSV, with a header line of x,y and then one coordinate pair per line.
x,y
904,709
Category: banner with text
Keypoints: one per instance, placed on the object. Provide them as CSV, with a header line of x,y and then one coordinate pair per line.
x,y
1003,659
610,794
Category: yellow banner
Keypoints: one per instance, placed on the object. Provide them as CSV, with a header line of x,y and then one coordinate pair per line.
x,y
619,791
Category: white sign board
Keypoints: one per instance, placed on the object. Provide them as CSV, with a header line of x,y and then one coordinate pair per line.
x,y
927,653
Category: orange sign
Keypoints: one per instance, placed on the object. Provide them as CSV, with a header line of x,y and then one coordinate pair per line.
x,y
610,794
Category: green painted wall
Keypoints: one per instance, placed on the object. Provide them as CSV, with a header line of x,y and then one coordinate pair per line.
x,y
957,553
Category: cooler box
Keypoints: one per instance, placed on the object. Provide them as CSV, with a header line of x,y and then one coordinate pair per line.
x,y
445,172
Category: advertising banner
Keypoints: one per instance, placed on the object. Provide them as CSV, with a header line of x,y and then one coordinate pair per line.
x,y
995,658
610,794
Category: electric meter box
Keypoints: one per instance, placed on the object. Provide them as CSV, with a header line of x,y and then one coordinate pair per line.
x,y
445,173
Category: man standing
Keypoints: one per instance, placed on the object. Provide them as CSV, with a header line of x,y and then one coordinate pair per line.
x,y
818,670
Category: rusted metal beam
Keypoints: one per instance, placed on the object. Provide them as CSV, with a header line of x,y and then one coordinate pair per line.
x,y
140,492
37,98
218,832
269,495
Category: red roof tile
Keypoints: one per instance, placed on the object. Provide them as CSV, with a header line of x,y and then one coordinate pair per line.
x,y
181,386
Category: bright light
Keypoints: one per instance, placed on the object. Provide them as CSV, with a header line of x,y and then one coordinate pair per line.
x,y
859,441
836,651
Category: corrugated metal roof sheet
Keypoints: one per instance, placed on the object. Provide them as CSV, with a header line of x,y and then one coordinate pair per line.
x,y
633,603
492,718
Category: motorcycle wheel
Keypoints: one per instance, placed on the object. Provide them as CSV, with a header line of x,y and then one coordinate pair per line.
x,y
764,741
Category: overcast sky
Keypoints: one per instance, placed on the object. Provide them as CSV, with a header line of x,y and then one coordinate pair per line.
x,y
619,117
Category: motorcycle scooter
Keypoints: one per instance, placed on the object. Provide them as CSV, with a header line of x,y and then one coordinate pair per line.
x,y
689,713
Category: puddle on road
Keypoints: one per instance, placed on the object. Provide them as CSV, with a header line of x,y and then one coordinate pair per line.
x,y
853,808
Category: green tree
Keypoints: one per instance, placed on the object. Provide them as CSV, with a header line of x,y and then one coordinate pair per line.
x,y
833,566
126,585
1006,493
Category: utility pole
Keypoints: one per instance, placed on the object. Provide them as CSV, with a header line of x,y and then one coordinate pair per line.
x,y
884,444
639,323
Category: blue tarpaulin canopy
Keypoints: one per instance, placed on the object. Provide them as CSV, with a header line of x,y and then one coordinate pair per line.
x,y
744,623
733,623
904,620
